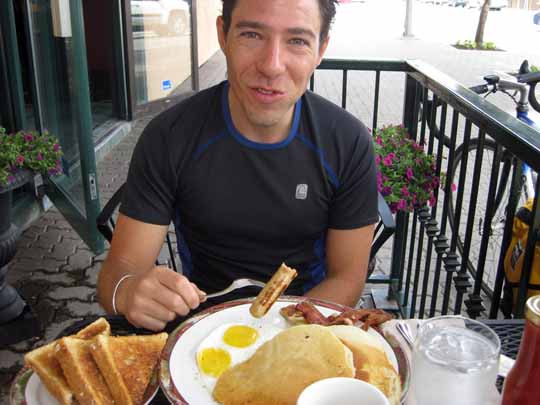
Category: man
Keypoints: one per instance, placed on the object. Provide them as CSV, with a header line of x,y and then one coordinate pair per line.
x,y
253,172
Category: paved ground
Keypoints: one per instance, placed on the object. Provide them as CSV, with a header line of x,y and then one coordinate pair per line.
x,y
55,271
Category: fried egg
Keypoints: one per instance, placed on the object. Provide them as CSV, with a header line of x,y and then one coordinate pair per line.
x,y
229,345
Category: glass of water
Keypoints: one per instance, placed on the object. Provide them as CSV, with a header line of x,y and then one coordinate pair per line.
x,y
455,360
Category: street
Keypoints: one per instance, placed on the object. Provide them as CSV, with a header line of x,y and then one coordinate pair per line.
x,y
510,29
374,30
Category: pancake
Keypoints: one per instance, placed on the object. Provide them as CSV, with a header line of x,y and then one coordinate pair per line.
x,y
370,360
282,367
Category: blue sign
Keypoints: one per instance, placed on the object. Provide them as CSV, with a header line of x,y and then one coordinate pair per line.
x,y
166,85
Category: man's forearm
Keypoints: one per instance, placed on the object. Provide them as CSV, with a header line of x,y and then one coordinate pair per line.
x,y
339,290
112,270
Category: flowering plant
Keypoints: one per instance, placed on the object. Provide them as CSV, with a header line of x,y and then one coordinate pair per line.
x,y
39,152
406,176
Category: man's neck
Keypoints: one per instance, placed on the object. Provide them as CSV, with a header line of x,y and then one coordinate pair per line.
x,y
260,133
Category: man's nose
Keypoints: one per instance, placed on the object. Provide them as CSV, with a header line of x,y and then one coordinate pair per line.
x,y
272,62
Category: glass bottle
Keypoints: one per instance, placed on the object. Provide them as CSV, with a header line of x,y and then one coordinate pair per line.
x,y
522,385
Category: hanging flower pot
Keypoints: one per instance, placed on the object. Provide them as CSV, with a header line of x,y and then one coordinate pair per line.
x,y
406,177
19,178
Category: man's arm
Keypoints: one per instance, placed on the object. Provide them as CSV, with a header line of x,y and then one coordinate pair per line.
x,y
347,257
155,294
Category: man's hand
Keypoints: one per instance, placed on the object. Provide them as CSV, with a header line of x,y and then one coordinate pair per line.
x,y
158,296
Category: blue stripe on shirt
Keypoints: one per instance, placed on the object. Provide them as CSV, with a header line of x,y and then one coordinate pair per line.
x,y
333,178
183,249
317,269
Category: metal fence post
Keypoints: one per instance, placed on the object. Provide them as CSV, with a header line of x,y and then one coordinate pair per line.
x,y
400,236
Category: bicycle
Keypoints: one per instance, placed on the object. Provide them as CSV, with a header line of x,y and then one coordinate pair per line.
x,y
526,86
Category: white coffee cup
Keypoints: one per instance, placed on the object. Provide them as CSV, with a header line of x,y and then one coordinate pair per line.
x,y
342,391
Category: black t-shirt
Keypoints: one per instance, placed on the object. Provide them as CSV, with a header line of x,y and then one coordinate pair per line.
x,y
241,208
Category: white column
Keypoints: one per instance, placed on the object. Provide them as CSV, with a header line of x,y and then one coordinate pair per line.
x,y
408,19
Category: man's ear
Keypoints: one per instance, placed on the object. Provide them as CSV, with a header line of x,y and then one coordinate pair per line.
x,y
322,49
222,36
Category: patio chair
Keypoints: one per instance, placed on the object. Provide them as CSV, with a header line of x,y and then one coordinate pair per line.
x,y
106,223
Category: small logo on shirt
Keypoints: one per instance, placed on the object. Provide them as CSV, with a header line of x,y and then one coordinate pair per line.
x,y
301,191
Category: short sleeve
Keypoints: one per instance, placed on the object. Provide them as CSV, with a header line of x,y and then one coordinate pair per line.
x,y
151,182
355,201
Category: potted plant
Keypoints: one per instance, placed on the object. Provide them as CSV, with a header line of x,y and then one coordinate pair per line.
x,y
22,155
406,177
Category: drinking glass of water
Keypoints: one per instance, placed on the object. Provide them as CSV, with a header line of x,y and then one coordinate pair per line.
x,y
455,361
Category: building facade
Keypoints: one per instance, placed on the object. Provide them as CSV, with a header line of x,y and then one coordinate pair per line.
x,y
83,70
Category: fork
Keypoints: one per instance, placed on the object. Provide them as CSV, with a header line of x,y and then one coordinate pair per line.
x,y
235,285
405,330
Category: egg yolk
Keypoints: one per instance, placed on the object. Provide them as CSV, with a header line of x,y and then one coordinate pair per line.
x,y
213,361
240,336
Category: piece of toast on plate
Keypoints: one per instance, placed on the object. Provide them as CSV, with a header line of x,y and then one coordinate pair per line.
x,y
127,363
81,372
43,362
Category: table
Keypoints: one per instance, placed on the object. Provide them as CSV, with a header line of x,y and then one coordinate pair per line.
x,y
508,330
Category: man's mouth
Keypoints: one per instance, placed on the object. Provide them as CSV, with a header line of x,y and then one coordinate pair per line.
x,y
269,92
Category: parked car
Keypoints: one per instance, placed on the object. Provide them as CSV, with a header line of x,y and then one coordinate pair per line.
x,y
497,4
536,18
458,3
493,4
162,16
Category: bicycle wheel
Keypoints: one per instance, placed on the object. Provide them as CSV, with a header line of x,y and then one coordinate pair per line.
x,y
499,212
534,96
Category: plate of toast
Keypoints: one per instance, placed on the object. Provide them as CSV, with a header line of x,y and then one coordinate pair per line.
x,y
91,366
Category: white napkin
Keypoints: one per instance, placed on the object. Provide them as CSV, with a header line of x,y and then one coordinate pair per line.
x,y
392,334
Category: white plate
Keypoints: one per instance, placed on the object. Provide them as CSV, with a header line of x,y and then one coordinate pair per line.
x,y
179,374
34,392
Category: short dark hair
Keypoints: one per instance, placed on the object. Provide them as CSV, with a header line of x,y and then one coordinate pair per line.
x,y
327,9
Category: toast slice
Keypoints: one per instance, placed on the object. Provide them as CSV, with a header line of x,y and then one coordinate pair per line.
x,y
81,371
43,362
127,363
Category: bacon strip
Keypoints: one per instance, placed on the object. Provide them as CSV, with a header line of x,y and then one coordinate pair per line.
x,y
368,317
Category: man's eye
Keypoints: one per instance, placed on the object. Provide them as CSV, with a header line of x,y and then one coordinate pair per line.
x,y
299,42
249,35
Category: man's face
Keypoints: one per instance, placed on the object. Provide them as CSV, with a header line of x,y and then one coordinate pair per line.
x,y
272,48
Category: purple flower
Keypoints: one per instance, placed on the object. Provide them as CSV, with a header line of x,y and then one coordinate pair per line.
x,y
378,159
405,191
53,171
454,187
393,208
39,156
409,173
20,159
10,178
378,140
432,200
387,161
56,147
391,155
28,138
402,204
386,190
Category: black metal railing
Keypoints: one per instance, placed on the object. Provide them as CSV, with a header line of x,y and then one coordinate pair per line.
x,y
450,258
